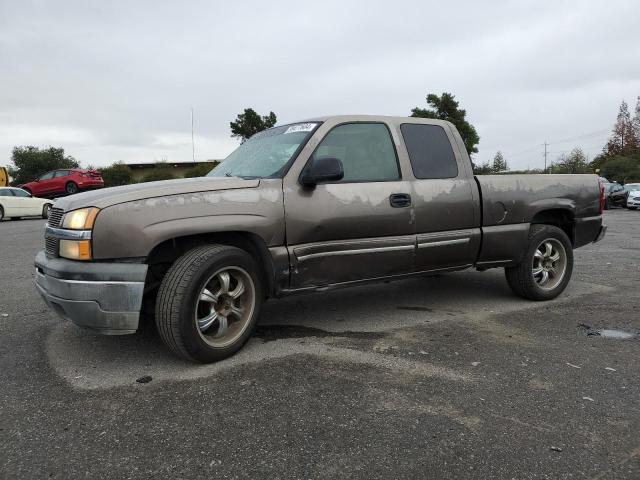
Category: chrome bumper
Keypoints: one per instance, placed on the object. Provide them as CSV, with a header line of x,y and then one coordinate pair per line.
x,y
103,297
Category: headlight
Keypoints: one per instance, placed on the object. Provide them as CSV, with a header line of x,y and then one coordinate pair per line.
x,y
75,249
81,219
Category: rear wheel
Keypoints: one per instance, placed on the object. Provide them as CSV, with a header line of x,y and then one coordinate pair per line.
x,y
46,208
208,303
547,266
71,188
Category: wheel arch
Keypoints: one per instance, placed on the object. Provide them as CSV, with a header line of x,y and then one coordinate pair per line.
x,y
561,217
162,255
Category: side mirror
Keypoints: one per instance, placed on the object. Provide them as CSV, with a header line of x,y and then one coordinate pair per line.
x,y
324,169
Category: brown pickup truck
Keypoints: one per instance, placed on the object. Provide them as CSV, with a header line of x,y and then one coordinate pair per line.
x,y
325,203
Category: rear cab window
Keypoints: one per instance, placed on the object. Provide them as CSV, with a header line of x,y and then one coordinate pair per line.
x,y
430,151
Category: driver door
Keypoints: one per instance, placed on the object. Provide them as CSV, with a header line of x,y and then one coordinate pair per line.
x,y
356,228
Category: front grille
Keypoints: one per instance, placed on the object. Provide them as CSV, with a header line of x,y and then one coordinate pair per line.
x,y
55,216
51,246
636,198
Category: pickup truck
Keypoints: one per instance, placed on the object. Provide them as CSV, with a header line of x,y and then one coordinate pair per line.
x,y
325,203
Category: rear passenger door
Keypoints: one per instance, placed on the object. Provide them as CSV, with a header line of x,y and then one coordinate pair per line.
x,y
59,181
447,215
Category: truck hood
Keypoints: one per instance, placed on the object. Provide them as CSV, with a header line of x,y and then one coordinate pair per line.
x,y
106,197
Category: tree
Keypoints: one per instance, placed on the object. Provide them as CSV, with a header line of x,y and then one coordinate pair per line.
x,y
636,120
445,107
201,170
575,162
484,169
622,169
623,140
116,174
249,123
162,171
499,163
31,162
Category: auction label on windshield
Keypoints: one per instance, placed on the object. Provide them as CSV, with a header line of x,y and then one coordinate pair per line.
x,y
301,127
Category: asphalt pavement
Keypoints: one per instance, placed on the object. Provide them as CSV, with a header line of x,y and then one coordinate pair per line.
x,y
446,377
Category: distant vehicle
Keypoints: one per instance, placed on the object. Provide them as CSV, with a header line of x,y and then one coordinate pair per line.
x,y
633,195
615,195
64,182
16,203
4,177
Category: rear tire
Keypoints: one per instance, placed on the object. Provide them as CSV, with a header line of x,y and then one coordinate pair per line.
x,y
71,188
546,267
208,303
46,208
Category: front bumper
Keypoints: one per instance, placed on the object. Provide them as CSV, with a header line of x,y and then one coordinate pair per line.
x,y
103,297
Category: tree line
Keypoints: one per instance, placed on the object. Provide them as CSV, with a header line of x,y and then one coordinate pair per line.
x,y
619,160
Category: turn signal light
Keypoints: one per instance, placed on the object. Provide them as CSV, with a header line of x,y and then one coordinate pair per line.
x,y
75,249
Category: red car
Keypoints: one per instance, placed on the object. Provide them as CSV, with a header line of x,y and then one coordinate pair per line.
x,y
64,182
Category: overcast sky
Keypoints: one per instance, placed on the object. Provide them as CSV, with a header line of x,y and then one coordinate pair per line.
x,y
114,80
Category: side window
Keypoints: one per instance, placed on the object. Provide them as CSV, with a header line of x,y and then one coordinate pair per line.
x,y
5,192
365,149
61,173
47,176
429,151
20,193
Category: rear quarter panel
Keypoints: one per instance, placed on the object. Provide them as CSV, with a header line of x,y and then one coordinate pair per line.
x,y
511,202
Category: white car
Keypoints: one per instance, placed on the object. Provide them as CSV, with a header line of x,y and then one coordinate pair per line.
x,y
16,203
633,198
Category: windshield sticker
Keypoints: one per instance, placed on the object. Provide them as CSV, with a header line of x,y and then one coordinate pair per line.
x,y
301,127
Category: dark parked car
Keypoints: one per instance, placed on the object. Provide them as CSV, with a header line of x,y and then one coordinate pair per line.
x,y
615,195
64,182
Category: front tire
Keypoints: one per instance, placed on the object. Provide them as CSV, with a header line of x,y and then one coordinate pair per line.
x,y
208,303
46,208
1,214
546,267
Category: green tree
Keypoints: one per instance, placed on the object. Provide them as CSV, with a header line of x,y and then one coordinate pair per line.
x,y
499,163
201,170
445,107
484,169
575,162
249,123
116,174
31,162
622,169
623,140
162,171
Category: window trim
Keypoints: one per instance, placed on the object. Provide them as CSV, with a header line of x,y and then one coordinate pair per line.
x,y
364,122
451,143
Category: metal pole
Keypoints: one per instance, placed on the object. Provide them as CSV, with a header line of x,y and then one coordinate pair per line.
x,y
193,144
545,156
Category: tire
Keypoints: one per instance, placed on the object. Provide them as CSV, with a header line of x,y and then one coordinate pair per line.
x,y
1,214
71,188
607,204
194,310
46,208
531,285
632,208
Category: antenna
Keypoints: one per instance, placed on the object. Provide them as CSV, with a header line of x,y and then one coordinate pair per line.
x,y
193,143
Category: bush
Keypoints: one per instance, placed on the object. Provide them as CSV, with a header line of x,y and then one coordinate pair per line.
x,y
162,171
200,170
116,174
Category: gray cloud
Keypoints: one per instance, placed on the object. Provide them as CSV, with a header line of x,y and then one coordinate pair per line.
x,y
115,80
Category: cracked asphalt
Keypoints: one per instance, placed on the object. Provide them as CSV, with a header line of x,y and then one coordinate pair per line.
x,y
447,377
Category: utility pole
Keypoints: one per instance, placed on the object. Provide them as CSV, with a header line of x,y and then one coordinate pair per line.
x,y
193,144
545,156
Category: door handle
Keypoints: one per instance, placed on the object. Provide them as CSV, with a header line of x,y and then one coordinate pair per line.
x,y
400,200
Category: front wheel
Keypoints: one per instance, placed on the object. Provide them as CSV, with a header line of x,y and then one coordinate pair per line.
x,y
208,303
546,267
46,209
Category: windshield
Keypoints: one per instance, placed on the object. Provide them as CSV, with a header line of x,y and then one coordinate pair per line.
x,y
266,154
632,186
